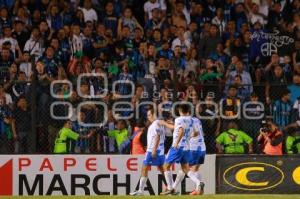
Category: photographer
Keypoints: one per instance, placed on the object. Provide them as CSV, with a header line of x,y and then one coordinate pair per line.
x,y
270,139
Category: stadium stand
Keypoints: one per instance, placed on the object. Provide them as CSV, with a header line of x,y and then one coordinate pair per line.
x,y
100,64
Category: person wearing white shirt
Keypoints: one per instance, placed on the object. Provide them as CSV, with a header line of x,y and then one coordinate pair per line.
x,y
151,4
155,150
8,38
88,12
26,66
179,152
33,45
184,44
219,21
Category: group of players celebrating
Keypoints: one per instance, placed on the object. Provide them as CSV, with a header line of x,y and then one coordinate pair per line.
x,y
188,149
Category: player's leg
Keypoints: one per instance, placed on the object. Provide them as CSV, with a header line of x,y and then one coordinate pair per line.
x,y
172,156
195,166
179,177
143,181
144,175
168,175
184,168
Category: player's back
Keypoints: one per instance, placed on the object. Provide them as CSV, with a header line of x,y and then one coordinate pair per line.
x,y
153,130
184,122
197,143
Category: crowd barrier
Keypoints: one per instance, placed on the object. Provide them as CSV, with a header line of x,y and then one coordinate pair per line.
x,y
258,174
86,175
119,175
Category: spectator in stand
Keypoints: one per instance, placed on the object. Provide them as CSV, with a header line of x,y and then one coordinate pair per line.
x,y
254,112
295,88
234,141
282,109
88,11
5,128
231,106
21,126
210,122
209,44
8,36
82,145
292,142
164,45
139,141
33,45
150,5
270,139
276,79
120,133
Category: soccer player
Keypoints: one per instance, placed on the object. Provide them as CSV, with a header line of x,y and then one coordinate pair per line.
x,y
179,152
197,154
155,150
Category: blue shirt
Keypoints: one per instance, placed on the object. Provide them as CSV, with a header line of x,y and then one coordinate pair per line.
x,y
295,92
81,130
282,112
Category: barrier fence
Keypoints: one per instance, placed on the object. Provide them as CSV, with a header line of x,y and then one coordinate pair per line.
x,y
87,175
45,115
255,174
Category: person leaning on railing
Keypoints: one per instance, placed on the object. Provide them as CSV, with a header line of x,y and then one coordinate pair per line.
x,y
61,145
234,141
292,142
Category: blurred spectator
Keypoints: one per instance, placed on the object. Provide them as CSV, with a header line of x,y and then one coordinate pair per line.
x,y
150,5
108,143
88,11
209,44
253,116
270,139
295,88
21,126
5,128
33,45
82,145
293,141
242,79
282,110
120,133
139,140
234,141
231,106
211,123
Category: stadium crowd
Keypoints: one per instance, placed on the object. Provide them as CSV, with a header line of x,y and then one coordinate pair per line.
x,y
226,57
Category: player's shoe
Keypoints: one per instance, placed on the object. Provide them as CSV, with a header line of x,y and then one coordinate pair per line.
x,y
169,192
136,193
199,190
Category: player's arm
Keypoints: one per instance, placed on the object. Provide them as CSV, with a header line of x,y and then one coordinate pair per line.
x,y
156,143
180,136
166,124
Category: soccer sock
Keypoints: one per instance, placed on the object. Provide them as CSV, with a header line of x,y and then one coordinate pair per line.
x,y
199,176
180,176
169,179
143,181
194,178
